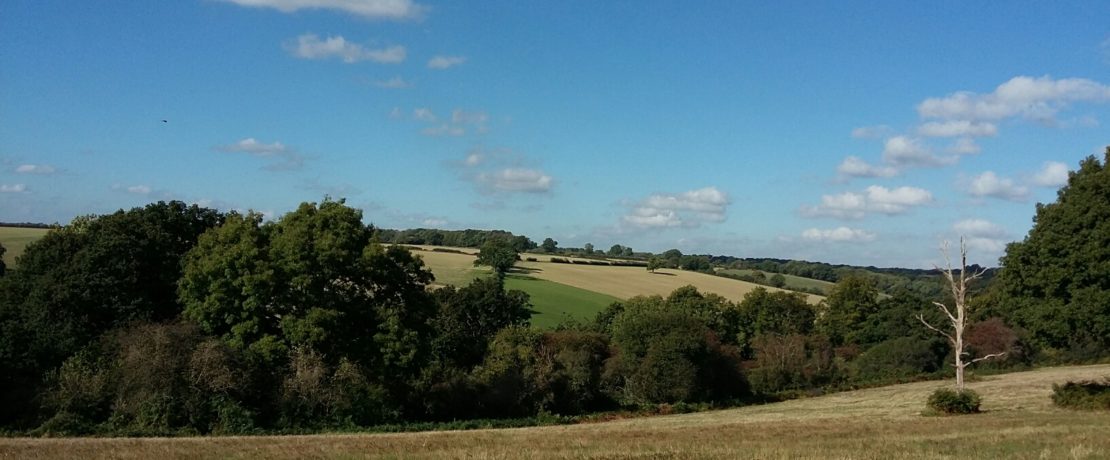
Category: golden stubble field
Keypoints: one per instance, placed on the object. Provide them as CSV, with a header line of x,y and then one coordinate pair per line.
x,y
880,423
620,282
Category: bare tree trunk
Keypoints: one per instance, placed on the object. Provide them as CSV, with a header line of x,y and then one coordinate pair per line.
x,y
958,318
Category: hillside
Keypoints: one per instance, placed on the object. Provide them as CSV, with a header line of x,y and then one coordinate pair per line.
x,y
620,282
1019,422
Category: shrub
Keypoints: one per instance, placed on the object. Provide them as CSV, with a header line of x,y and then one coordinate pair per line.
x,y
948,401
530,259
901,358
1082,395
559,260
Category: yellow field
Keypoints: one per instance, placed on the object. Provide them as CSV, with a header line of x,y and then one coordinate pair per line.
x,y
1019,422
620,282
15,239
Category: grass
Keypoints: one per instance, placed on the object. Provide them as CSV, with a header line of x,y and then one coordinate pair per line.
x,y
16,239
792,281
1019,421
554,303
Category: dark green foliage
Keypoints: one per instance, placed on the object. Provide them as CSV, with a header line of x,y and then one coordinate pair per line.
x,y
549,245
1056,281
777,280
3,266
791,362
852,301
469,317
901,358
498,255
762,312
461,238
952,402
1082,395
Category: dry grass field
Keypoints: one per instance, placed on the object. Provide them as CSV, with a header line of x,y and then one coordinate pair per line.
x,y
15,239
620,282
880,423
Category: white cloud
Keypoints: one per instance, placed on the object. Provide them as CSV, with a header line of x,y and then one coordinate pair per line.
x,y
393,83
1052,174
432,222
854,166
839,234
982,235
371,9
35,169
473,159
874,199
310,46
13,188
687,209
445,62
871,132
251,146
443,130
989,184
138,189
462,117
516,180
282,157
904,151
954,128
424,114
1034,98
965,146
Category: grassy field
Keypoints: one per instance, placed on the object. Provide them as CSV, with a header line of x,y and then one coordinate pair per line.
x,y
792,281
619,282
1019,422
14,239
555,303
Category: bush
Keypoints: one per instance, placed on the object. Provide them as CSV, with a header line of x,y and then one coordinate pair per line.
x,y
1082,395
948,401
530,259
559,260
900,359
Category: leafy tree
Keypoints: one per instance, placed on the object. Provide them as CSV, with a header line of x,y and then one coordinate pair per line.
x,y
469,317
777,280
549,245
654,264
498,255
3,267
763,312
849,305
616,250
627,252
1057,281
588,248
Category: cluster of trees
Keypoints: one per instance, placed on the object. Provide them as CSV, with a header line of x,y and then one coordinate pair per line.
x,y
459,238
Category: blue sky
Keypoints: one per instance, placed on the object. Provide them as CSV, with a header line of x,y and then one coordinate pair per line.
x,y
842,132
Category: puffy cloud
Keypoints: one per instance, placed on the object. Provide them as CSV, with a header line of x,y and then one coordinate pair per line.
x,y
516,180
371,9
955,128
965,146
282,157
424,114
854,166
1052,174
1035,98
687,209
310,46
902,151
134,189
989,184
35,169
982,235
839,234
445,62
13,188
874,199
871,132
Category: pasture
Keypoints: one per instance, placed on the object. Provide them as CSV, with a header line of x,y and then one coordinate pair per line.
x,y
619,282
792,281
1019,422
555,303
15,239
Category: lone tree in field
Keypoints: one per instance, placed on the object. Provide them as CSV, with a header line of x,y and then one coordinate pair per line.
x,y
654,264
498,255
958,318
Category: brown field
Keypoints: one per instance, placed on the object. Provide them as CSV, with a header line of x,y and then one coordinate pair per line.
x,y
1019,422
620,282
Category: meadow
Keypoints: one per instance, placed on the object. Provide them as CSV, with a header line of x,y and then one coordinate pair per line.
x,y
15,239
792,281
1019,421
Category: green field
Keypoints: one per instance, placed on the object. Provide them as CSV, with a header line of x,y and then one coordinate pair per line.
x,y
15,239
792,281
554,303
1018,422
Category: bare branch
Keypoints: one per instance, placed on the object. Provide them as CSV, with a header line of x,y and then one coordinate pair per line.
x,y
992,355
930,326
946,311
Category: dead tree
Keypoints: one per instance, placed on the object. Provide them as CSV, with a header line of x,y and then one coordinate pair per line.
x,y
958,318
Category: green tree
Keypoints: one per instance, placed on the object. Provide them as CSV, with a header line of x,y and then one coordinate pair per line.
x,y
469,317
549,245
763,312
616,250
1056,281
777,280
588,249
849,305
654,264
498,255
3,266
